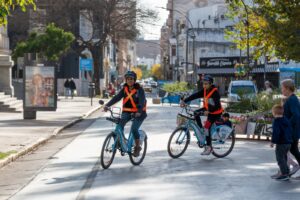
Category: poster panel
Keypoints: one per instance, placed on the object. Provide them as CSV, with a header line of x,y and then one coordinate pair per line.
x,y
40,88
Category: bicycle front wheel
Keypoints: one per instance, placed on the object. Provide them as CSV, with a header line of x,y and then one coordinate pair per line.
x,y
178,142
223,147
108,151
138,160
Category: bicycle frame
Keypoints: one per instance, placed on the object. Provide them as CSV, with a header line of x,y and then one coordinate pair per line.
x,y
190,124
120,137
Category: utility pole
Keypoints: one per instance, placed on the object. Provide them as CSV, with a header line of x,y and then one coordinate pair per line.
x,y
194,64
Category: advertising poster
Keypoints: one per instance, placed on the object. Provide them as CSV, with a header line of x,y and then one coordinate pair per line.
x,y
40,88
86,68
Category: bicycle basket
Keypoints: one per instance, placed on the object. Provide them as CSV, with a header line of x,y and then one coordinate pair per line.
x,y
180,120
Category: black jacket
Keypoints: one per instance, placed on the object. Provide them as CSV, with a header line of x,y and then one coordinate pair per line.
x,y
67,84
72,85
139,98
282,131
214,102
292,113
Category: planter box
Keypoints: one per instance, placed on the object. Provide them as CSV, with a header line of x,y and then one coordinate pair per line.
x,y
259,129
251,128
241,127
156,101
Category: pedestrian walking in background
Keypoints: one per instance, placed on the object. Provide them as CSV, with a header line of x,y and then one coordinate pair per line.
x,y
292,113
200,82
269,88
291,162
282,137
67,88
72,87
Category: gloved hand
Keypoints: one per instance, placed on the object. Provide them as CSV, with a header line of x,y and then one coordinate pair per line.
x,y
105,108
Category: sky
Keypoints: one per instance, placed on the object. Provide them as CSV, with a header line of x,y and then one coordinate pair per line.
x,y
153,32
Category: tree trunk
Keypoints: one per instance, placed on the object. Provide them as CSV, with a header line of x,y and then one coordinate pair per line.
x,y
97,60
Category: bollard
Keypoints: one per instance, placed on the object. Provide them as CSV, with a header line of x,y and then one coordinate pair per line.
x,y
91,91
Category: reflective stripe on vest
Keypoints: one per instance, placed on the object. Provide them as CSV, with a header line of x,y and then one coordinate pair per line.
x,y
205,101
129,98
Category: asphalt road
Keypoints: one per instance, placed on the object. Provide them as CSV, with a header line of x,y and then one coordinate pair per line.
x,y
73,170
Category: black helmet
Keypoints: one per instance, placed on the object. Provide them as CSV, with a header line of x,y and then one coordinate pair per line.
x,y
208,78
131,74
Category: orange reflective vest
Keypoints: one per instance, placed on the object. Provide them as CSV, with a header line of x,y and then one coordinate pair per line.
x,y
205,102
129,98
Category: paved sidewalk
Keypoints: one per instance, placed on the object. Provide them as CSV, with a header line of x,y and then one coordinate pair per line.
x,y
21,135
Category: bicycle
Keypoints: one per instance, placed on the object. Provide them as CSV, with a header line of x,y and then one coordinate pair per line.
x,y
223,137
116,140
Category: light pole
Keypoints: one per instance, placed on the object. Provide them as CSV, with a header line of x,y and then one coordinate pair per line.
x,y
247,24
193,37
248,34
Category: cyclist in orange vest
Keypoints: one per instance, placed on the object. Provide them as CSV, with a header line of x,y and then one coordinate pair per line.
x,y
134,106
211,106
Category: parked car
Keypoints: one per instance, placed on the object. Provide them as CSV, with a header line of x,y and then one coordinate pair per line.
x,y
153,84
147,88
247,88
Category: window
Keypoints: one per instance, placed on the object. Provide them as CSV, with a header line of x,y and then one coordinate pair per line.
x,y
173,50
244,89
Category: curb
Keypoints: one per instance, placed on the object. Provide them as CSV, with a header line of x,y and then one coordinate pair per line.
x,y
42,141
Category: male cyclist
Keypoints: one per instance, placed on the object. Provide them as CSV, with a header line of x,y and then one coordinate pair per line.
x,y
211,106
134,106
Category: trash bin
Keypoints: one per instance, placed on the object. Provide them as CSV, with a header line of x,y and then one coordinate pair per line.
x,y
91,90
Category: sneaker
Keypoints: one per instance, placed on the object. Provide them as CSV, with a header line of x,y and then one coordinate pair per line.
x,y
294,170
136,151
206,151
276,175
283,177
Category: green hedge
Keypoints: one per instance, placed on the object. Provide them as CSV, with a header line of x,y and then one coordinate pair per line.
x,y
176,87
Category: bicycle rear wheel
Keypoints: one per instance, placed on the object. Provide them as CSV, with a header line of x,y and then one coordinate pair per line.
x,y
108,152
178,142
138,160
222,148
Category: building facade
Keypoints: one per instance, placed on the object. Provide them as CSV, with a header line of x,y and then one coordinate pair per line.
x,y
5,64
148,52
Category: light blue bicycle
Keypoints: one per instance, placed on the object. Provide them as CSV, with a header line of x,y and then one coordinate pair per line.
x,y
116,140
223,137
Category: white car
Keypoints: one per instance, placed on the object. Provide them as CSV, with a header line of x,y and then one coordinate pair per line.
x,y
153,84
247,88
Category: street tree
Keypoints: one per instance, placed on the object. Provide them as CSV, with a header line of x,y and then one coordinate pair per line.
x,y
115,19
146,73
7,5
157,71
51,44
274,27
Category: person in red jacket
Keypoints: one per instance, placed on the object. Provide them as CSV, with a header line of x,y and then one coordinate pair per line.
x,y
211,106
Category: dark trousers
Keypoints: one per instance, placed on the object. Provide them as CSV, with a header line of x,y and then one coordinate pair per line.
x,y
281,157
136,123
295,150
211,118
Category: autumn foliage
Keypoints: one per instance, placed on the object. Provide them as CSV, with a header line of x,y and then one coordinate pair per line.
x,y
157,71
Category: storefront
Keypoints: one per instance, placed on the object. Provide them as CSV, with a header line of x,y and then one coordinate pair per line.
x,y
223,71
290,73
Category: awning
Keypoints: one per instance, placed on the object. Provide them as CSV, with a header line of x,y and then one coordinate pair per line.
x,y
289,69
216,71
269,69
